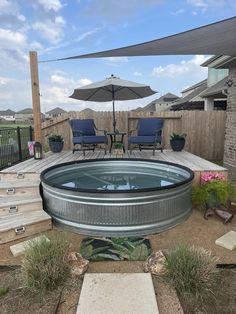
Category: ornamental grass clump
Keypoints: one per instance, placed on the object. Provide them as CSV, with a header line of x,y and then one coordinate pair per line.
x,y
45,264
191,271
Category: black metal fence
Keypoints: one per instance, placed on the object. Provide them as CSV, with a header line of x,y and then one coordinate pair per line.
x,y
14,145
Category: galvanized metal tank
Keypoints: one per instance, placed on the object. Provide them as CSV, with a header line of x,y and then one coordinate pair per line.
x,y
117,197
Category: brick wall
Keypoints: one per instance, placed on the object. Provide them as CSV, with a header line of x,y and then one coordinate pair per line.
x,y
230,130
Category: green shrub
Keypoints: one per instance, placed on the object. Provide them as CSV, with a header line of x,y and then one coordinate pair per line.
x,y
3,291
45,264
192,271
212,193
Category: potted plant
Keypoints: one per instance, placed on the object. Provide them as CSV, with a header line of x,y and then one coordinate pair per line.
x,y
213,194
117,149
177,141
55,143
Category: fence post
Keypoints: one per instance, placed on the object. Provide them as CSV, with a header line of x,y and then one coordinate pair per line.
x,y
19,143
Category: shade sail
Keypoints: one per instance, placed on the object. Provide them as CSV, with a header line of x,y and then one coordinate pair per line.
x,y
214,39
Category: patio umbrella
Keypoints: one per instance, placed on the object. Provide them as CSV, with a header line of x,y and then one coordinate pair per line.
x,y
111,89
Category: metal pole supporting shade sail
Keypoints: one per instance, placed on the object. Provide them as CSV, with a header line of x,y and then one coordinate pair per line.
x,y
111,89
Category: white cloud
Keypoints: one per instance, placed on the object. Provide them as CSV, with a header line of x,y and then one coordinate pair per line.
x,y
10,14
87,34
48,5
136,73
8,37
189,67
178,12
57,91
115,61
114,9
51,31
4,80
203,4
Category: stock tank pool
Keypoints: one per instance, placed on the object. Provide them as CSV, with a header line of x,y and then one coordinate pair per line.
x,y
117,197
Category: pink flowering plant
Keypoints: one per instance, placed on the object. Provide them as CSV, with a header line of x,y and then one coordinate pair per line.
x,y
213,192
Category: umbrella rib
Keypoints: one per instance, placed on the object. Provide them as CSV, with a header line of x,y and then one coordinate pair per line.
x,y
96,91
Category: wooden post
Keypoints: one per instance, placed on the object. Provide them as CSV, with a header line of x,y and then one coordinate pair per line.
x,y
35,96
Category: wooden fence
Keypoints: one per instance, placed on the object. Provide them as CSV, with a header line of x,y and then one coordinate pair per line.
x,y
205,129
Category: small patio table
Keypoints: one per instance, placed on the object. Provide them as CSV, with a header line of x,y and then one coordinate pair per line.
x,y
116,137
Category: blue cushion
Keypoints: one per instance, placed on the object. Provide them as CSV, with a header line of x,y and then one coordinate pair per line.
x,y
148,126
94,139
144,139
83,125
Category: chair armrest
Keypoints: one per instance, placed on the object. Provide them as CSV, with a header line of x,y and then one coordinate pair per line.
x,y
104,131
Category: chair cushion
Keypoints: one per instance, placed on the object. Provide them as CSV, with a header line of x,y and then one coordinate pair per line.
x,y
148,126
94,139
144,139
84,125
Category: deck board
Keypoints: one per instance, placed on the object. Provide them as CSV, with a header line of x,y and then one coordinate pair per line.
x,y
184,158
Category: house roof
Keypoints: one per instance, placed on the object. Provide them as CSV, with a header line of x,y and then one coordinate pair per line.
x,y
168,97
7,112
191,97
165,98
216,89
194,86
214,39
56,110
220,62
26,111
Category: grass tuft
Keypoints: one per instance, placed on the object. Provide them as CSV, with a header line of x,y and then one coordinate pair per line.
x,y
192,271
45,264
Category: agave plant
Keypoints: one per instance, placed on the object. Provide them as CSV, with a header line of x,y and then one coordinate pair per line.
x,y
115,249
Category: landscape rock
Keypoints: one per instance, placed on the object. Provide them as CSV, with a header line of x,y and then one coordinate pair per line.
x,y
155,263
79,265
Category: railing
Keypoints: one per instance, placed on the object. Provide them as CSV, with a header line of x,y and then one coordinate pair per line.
x,y
14,145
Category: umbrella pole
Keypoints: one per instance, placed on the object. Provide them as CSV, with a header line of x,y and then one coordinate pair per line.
x,y
114,117
113,109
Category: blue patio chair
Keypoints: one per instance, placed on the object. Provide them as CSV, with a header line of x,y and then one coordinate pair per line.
x,y
84,134
149,134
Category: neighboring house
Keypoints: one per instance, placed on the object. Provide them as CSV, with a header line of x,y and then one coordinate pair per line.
x,y
7,115
164,102
161,104
217,82
190,99
25,115
54,113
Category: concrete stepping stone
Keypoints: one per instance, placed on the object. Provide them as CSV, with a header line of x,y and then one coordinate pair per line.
x,y
19,248
227,241
105,293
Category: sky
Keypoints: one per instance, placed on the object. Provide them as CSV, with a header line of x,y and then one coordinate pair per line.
x,y
63,28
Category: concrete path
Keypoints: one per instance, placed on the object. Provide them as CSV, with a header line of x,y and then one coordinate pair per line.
x,y
106,293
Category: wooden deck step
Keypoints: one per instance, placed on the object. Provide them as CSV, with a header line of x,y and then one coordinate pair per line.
x,y
23,224
18,187
19,176
9,205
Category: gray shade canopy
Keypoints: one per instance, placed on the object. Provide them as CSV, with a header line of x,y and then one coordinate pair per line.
x,y
214,39
111,89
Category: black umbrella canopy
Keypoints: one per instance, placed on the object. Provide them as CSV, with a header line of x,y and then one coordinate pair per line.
x,y
111,89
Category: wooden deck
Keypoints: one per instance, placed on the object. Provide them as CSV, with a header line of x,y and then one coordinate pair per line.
x,y
195,163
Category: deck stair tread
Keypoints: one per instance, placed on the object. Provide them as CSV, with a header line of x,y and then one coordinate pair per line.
x,y
18,184
18,200
22,219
